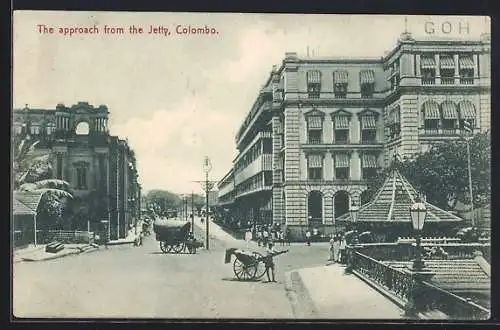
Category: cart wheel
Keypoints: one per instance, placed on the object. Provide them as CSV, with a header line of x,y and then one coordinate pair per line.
x,y
165,248
244,272
179,247
260,267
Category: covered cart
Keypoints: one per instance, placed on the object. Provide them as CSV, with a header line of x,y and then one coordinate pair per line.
x,y
173,235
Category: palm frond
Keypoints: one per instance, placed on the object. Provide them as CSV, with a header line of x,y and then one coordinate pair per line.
x,y
33,145
28,186
53,183
56,192
20,149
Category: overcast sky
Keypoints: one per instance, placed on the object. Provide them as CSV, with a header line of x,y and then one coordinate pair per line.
x,y
179,98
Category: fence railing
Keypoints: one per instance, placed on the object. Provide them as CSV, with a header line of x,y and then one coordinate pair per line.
x,y
65,236
452,305
396,281
406,251
414,293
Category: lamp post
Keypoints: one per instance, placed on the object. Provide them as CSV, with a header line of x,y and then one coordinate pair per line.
x,y
418,212
354,212
207,167
192,213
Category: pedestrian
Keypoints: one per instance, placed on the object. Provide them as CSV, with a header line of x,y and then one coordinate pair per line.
x,y
265,237
269,262
248,237
259,237
332,250
308,237
342,248
336,248
315,234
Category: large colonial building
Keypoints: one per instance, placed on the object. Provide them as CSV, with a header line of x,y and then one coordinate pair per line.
x,y
321,127
88,157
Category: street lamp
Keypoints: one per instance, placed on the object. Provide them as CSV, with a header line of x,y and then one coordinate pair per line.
x,y
207,167
418,212
354,211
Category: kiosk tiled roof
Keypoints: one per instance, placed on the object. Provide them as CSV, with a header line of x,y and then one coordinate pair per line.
x,y
392,203
25,203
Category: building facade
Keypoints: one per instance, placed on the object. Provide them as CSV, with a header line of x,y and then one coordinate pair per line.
x,y
89,158
321,127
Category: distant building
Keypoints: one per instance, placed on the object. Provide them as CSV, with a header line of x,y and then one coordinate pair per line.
x,y
320,127
88,157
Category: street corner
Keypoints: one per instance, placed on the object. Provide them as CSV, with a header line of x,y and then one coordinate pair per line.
x,y
44,256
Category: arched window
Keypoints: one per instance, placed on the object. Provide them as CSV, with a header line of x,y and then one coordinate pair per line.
x,y
82,128
315,208
341,203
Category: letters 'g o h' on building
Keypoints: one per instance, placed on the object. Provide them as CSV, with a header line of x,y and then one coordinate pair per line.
x,y
321,127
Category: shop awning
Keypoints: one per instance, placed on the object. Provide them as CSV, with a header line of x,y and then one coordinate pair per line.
x,y
341,122
446,62
314,77
449,110
466,62
369,161
341,160
340,77
466,110
314,122
367,77
431,110
368,122
315,161
427,62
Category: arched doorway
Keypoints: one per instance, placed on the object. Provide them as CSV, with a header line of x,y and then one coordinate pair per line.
x,y
315,208
366,197
341,203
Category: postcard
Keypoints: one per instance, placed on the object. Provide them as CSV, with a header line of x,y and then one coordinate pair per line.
x,y
211,166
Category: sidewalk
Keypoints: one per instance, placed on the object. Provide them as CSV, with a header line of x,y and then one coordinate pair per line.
x,y
328,292
38,253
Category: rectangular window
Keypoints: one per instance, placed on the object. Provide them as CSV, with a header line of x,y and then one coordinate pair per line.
x,y
367,90
431,126
369,166
342,166
81,178
341,136
466,69
268,178
340,91
314,84
368,136
315,129
367,83
428,76
315,167
447,76
268,146
314,136
369,173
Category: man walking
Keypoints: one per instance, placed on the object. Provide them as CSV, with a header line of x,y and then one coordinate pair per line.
x,y
308,237
248,237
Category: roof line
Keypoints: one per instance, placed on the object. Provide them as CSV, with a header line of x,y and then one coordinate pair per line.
x,y
393,197
40,194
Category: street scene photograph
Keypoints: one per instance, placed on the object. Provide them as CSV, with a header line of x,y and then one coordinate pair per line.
x,y
213,166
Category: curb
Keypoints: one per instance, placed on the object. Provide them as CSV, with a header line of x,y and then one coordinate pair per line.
x,y
76,252
120,243
298,295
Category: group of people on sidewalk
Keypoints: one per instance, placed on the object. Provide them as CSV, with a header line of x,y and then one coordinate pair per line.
x,y
338,246
265,235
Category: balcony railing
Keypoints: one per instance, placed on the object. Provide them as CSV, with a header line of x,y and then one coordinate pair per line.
x,y
466,81
447,80
428,81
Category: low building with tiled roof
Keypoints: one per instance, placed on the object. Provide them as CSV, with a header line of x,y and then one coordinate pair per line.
x,y
390,209
24,211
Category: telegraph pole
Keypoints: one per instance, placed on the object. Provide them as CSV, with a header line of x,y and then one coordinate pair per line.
x,y
192,212
207,167
468,128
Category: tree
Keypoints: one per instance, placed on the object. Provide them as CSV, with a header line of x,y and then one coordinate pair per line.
x,y
33,173
441,173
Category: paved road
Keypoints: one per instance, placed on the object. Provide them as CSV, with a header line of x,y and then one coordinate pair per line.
x,y
124,281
